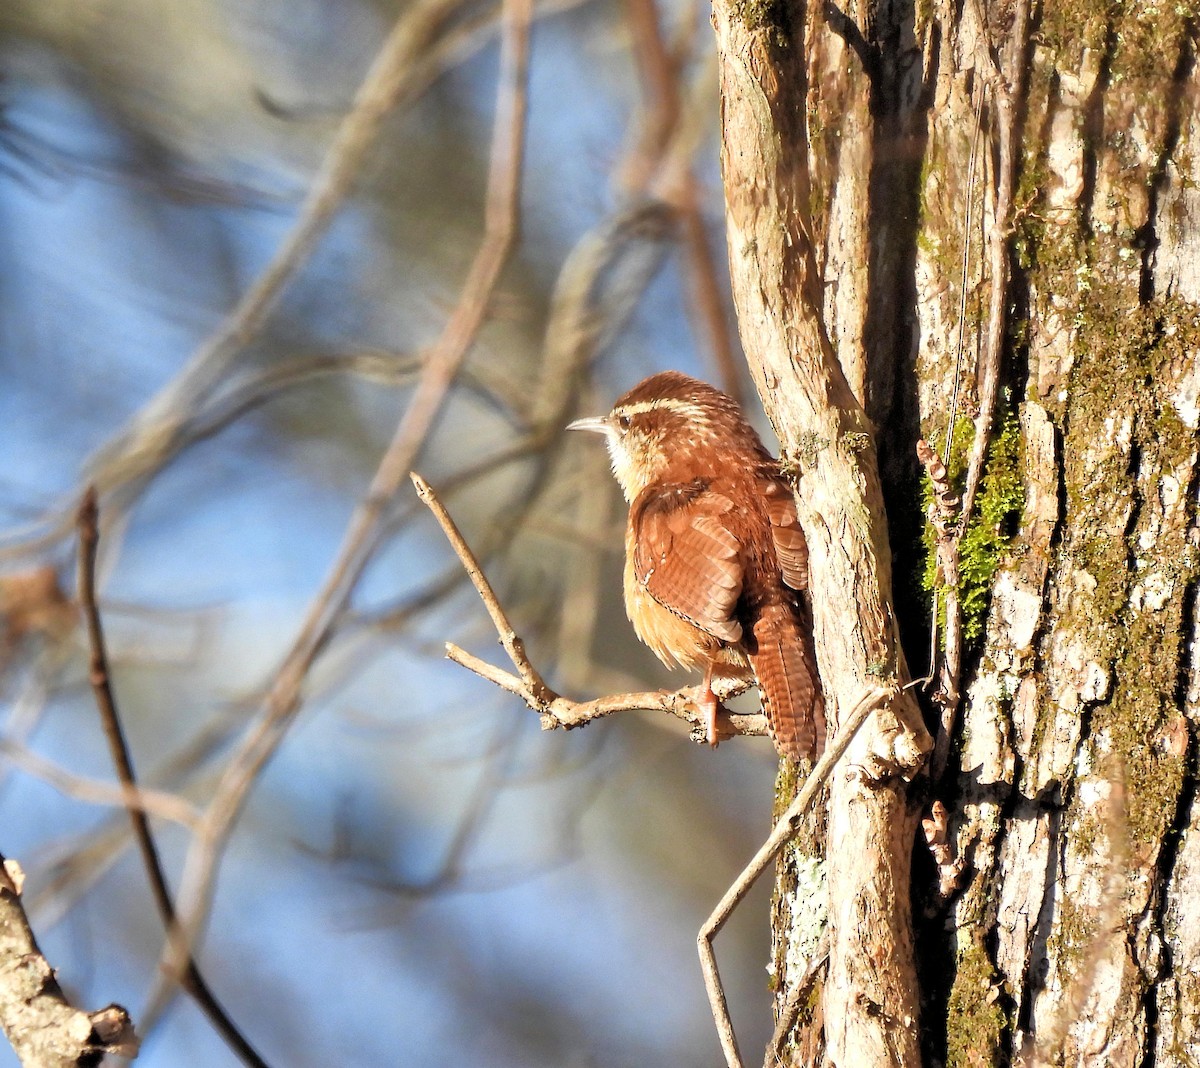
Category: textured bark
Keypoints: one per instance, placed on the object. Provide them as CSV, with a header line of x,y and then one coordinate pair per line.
x,y
1071,936
45,1030
807,379
1078,755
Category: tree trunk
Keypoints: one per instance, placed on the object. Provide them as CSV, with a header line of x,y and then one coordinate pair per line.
x,y
1000,205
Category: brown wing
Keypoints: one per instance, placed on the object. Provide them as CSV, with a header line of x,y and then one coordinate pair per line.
x,y
790,546
687,558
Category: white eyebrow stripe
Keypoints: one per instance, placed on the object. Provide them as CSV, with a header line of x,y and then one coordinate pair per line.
x,y
687,408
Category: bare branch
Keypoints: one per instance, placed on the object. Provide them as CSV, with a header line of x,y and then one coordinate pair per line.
x,y
366,527
784,828
557,711
508,637
95,792
562,712
192,980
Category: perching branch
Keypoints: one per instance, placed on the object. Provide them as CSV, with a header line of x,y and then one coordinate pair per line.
x,y
557,711
45,1030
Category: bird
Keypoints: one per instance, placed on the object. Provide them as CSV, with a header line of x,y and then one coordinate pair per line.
x,y
716,564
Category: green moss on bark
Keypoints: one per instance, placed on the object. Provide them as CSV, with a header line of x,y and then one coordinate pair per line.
x,y
1123,437
975,1019
988,537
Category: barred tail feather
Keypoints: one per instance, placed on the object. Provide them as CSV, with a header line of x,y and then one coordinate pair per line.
x,y
785,667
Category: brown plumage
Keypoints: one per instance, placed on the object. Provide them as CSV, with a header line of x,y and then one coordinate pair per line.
x,y
716,565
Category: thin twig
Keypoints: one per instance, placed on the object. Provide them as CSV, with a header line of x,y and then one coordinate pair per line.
x,y
1005,99
949,538
944,515
513,645
191,979
556,711
366,526
158,803
779,837
988,372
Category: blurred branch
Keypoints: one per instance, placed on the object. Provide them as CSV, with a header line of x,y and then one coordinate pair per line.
x,y
246,392
44,1029
153,436
192,980
665,146
557,711
440,366
95,792
27,706
404,66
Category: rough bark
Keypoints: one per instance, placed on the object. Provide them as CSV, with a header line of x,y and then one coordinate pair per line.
x,y
1070,936
45,1030
1078,753
807,377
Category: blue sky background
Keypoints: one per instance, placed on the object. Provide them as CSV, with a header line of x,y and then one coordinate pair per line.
x,y
143,185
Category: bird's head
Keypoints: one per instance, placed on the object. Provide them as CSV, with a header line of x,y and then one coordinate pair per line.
x,y
669,422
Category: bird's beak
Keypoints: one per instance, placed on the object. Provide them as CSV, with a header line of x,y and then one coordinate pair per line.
x,y
597,423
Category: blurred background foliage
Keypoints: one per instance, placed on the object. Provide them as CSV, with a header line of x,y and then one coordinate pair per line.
x,y
420,876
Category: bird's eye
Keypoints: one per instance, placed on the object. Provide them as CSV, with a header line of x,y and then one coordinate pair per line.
x,y
623,422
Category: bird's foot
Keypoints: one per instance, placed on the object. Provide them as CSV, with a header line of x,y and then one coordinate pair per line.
x,y
709,707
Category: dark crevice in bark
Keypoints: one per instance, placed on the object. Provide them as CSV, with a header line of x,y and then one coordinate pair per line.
x,y
1146,237
1183,816
1137,502
1037,954
1164,871
1093,132
899,102
1188,635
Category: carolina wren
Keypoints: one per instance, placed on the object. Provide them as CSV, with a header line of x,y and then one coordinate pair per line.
x,y
716,565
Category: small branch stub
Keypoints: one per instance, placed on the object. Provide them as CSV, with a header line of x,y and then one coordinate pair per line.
x,y
45,1030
